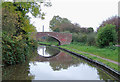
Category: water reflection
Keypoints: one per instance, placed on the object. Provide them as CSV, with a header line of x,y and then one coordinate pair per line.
x,y
64,66
52,64
60,61
47,51
17,72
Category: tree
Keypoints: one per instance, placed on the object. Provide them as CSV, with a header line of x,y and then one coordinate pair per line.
x,y
91,39
114,20
90,30
58,24
106,35
16,44
14,16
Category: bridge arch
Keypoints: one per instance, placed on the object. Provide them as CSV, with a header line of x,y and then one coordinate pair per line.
x,y
62,38
59,43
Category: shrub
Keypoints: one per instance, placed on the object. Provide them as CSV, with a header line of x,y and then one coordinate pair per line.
x,y
106,35
81,37
74,37
16,49
111,46
91,39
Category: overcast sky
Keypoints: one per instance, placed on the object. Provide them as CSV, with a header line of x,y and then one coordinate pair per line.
x,y
87,13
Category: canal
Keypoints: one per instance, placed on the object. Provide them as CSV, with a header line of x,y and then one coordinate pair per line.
x,y
50,63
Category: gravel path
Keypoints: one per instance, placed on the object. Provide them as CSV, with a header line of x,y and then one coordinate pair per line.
x,y
100,57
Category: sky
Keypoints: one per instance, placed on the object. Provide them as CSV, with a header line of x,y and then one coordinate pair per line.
x,y
87,13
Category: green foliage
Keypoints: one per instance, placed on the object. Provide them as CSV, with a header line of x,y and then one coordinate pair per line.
x,y
14,22
16,41
59,24
106,35
9,18
111,46
88,39
57,30
114,20
56,22
91,39
16,49
81,37
90,30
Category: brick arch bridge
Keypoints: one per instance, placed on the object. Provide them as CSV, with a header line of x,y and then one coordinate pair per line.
x,y
63,38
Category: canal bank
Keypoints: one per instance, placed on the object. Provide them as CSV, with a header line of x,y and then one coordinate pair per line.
x,y
103,66
99,64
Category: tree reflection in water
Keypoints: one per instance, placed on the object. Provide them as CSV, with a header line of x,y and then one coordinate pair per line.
x,y
64,60
58,61
17,72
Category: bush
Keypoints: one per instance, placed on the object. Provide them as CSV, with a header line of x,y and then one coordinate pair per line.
x,y
16,49
91,39
74,37
81,37
111,46
106,35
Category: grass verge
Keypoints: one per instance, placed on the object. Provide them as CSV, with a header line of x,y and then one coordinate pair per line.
x,y
78,47
108,52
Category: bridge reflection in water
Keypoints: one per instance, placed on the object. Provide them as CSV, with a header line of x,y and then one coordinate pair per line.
x,y
59,61
50,63
48,54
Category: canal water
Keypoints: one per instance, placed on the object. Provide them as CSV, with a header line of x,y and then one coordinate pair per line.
x,y
50,63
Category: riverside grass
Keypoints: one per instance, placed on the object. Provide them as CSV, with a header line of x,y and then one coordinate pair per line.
x,y
113,54
102,52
